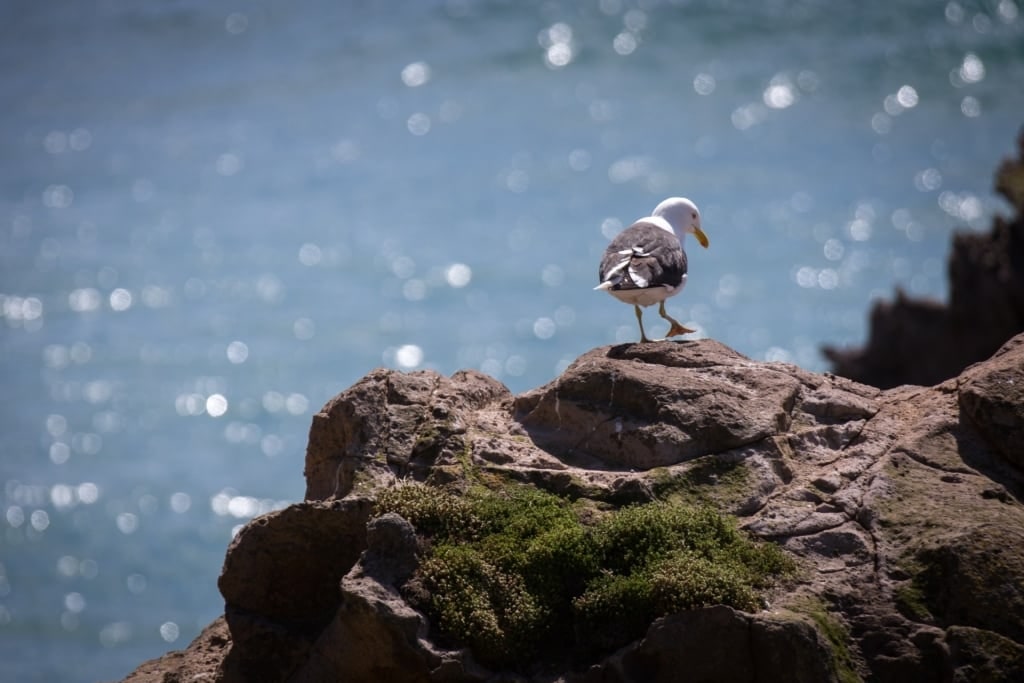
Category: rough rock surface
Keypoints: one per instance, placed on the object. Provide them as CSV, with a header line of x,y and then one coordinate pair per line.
x,y
903,508
721,644
205,659
916,341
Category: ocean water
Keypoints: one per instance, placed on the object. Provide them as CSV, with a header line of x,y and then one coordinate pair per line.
x,y
216,215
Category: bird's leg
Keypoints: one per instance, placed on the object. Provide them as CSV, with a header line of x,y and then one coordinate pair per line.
x,y
640,320
676,328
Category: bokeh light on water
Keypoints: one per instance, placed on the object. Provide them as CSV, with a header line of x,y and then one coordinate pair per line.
x,y
213,219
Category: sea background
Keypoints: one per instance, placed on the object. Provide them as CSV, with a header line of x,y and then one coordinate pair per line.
x,y
214,216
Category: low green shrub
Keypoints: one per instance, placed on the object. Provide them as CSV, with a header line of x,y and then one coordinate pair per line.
x,y
613,610
479,604
434,512
687,580
516,576
638,535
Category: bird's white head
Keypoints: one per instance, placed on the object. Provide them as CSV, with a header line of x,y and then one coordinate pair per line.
x,y
684,217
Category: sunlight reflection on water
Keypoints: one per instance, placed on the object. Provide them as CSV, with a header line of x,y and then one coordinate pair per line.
x,y
190,266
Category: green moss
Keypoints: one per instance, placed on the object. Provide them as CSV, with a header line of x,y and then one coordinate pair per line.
x,y
912,603
519,576
465,460
687,580
637,535
925,597
837,636
708,481
432,511
662,558
615,609
492,610
427,438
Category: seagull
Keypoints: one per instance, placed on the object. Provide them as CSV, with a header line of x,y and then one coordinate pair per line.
x,y
645,263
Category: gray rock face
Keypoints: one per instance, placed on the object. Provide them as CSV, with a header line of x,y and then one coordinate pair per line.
x,y
903,508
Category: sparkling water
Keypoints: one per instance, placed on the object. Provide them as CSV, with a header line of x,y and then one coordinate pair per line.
x,y
215,216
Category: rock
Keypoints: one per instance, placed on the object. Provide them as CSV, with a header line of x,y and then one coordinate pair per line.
x,y
383,415
992,397
979,655
902,507
720,645
710,400
203,660
913,341
375,635
280,582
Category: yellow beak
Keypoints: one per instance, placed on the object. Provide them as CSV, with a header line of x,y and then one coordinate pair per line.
x,y
701,237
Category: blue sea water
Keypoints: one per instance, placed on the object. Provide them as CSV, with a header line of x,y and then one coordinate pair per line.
x,y
216,215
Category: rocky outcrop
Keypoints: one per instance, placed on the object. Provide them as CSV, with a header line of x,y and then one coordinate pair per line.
x,y
721,644
902,507
916,341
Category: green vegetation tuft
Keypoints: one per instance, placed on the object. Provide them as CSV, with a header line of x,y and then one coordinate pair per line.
x,y
912,602
432,511
518,577
835,633
478,603
709,481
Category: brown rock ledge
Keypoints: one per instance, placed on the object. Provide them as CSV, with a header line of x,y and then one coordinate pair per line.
x,y
903,508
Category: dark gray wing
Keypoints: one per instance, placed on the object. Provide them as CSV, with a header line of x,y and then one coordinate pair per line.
x,y
641,256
